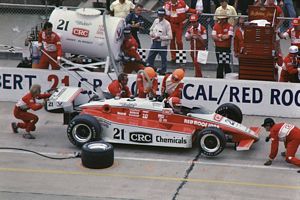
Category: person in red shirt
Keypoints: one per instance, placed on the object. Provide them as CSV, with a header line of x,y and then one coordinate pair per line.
x,y
119,88
196,34
291,66
238,41
50,43
222,34
176,14
147,83
172,84
293,33
132,60
284,132
26,103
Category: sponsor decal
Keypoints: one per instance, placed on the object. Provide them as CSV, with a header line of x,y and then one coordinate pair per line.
x,y
199,123
80,32
140,137
121,113
173,140
128,104
83,23
218,117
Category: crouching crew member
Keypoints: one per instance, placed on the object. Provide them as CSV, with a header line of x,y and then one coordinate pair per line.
x,y
119,88
287,133
147,83
172,84
26,103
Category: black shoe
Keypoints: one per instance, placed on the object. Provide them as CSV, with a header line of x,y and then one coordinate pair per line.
x,y
161,72
173,61
283,154
14,127
28,136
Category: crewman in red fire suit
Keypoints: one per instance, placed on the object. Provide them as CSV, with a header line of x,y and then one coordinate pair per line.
x,y
284,132
176,14
238,40
147,83
293,33
197,36
26,103
132,59
119,88
172,84
49,41
290,70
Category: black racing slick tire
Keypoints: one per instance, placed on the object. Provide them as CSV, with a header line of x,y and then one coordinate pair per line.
x,y
230,111
97,155
83,129
211,141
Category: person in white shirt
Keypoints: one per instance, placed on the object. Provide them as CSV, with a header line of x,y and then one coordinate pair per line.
x,y
121,8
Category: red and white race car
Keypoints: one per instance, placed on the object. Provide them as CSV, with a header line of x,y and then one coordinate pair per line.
x,y
148,122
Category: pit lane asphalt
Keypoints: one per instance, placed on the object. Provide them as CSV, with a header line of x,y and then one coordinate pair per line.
x,y
138,172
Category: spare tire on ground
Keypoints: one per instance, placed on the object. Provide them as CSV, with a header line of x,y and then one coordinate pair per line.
x,y
231,111
97,155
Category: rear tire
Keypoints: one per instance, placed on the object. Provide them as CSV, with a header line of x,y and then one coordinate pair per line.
x,y
231,111
97,155
211,141
83,129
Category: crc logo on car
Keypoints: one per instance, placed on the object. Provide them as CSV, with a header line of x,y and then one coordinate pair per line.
x,y
140,137
80,32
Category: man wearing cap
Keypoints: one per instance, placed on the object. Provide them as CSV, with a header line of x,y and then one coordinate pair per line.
x,y
228,9
176,14
284,132
132,60
172,84
222,34
291,66
197,36
161,34
293,32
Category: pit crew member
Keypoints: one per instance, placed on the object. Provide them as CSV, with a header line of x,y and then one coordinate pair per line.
x,y
26,103
49,42
284,132
147,83
119,88
172,84
291,67
293,33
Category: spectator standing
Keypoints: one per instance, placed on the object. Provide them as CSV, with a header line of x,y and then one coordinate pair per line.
x,y
222,34
119,88
176,14
238,41
284,132
136,22
121,8
161,34
228,9
132,60
50,43
26,103
197,36
147,83
172,84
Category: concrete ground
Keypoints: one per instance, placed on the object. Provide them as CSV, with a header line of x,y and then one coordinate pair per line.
x,y
138,172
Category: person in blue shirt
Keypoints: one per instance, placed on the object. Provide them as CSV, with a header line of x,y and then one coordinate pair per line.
x,y
136,22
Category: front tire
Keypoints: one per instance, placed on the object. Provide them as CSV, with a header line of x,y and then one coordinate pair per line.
x,y
211,141
231,111
83,129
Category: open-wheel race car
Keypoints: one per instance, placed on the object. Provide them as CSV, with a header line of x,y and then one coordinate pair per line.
x,y
149,122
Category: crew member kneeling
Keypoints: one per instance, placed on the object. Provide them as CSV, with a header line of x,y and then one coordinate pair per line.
x,y
172,84
119,88
147,83
26,103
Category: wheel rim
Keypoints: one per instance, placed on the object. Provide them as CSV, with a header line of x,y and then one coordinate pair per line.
x,y
82,133
210,143
98,146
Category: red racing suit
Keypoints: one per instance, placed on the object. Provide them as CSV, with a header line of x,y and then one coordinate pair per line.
x,y
170,89
52,46
23,105
117,89
289,72
294,35
238,41
129,48
144,88
290,135
196,44
176,15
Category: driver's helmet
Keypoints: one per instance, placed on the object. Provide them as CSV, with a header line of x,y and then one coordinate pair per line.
x,y
174,102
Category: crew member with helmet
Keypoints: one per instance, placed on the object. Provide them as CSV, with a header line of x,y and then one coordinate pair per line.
x,y
147,83
293,33
172,84
50,43
119,88
197,36
132,60
26,103
176,14
284,132
291,66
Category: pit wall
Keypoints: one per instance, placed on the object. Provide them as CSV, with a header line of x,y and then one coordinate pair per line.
x,y
253,97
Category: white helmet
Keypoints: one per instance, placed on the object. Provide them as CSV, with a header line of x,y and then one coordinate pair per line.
x,y
293,49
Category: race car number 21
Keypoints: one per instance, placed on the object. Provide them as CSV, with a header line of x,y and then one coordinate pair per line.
x,y
119,134
55,81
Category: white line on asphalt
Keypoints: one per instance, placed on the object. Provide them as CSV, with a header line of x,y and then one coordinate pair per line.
x,y
173,161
